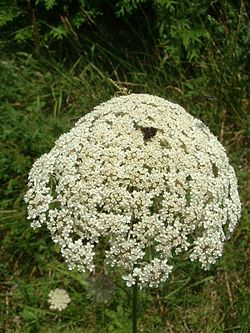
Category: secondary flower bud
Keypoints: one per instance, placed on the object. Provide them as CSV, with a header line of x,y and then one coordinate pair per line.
x,y
58,299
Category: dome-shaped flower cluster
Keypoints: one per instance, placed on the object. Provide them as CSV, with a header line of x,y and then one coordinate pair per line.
x,y
138,181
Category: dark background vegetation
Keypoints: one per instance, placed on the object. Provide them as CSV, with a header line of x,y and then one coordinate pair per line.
x,y
56,59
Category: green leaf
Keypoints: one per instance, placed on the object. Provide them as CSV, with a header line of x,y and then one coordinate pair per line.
x,y
8,14
58,32
49,4
24,34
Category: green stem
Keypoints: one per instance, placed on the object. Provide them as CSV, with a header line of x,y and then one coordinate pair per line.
x,y
102,314
134,307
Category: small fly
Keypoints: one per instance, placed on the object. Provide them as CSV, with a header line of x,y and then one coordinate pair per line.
x,y
148,132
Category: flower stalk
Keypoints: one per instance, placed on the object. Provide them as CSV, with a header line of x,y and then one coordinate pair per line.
x,y
134,307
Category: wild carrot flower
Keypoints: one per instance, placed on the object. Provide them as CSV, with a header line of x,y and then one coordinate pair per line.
x,y
136,181
58,299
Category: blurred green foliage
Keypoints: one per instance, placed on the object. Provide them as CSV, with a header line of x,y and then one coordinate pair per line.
x,y
180,29
192,53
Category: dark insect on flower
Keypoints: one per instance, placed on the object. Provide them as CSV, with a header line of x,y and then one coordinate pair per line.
x,y
148,132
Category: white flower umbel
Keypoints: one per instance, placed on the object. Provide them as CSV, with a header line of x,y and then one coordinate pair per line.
x,y
138,180
58,299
